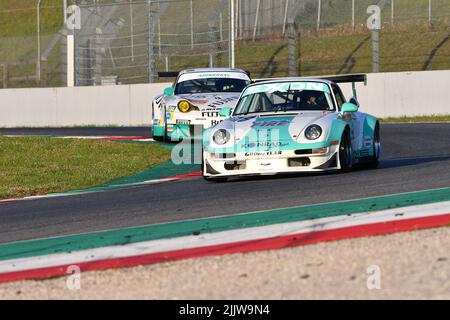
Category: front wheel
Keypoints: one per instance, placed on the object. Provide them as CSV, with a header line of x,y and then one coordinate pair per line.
x,y
345,153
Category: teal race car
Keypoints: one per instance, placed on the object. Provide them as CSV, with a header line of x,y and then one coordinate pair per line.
x,y
291,125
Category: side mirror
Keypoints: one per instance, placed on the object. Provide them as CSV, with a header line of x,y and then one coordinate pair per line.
x,y
354,101
349,107
225,112
169,91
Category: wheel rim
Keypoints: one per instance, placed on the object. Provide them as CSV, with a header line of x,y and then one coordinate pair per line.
x,y
377,147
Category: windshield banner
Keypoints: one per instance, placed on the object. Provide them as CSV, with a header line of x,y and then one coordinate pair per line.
x,y
213,75
285,86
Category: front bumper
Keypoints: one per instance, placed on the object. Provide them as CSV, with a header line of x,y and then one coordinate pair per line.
x,y
270,163
183,126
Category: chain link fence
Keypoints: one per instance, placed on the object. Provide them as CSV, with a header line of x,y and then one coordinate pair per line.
x,y
130,41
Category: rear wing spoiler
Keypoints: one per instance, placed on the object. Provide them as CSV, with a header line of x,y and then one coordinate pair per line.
x,y
345,78
349,78
168,74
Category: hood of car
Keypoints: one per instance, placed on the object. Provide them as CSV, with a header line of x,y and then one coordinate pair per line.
x,y
275,127
206,101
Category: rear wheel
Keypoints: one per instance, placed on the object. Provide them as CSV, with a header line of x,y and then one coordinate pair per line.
x,y
374,160
345,153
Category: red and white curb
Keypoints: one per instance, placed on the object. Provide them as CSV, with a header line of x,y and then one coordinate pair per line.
x,y
234,241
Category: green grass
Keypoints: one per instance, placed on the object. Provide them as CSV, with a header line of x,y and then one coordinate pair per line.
x,y
432,118
35,165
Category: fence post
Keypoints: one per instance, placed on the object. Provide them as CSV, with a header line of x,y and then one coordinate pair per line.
x,y
430,12
292,48
192,25
212,39
44,75
98,57
131,29
151,56
5,75
255,27
392,12
63,58
167,63
285,17
353,15
319,11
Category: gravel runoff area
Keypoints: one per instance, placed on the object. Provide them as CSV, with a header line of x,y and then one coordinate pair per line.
x,y
413,265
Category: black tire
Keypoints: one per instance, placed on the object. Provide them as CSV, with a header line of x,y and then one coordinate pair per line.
x,y
345,153
374,161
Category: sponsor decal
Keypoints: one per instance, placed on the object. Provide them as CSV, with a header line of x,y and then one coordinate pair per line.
x,y
210,114
220,101
263,154
215,122
270,123
171,109
183,121
367,142
215,75
169,115
266,144
245,119
156,122
193,101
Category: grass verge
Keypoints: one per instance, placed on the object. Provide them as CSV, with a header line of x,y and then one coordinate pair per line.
x,y
432,118
35,165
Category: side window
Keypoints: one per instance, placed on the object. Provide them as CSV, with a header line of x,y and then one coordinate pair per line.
x,y
339,96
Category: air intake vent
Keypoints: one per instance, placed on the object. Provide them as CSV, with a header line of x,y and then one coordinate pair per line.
x,y
302,152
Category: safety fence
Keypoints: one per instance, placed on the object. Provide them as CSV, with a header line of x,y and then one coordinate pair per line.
x,y
130,41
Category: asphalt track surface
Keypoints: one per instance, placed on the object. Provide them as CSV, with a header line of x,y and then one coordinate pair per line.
x,y
415,157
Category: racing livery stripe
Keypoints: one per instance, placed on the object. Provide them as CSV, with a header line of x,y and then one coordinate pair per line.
x,y
244,240
165,231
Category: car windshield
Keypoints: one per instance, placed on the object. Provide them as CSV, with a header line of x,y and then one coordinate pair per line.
x,y
208,85
285,101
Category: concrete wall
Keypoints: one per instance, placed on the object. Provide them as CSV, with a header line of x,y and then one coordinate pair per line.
x,y
128,105
386,95
404,93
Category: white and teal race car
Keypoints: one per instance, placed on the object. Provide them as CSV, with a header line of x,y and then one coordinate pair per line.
x,y
195,100
291,125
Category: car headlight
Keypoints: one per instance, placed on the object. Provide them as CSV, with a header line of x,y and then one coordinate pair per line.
x,y
313,132
184,106
221,136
